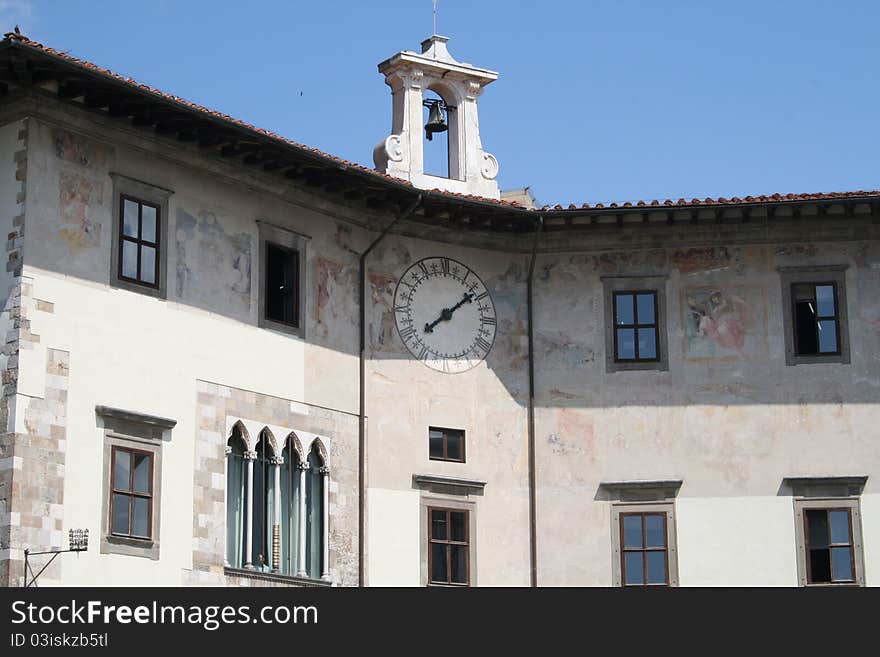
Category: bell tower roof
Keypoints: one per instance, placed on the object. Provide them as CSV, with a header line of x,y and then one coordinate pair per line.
x,y
459,84
435,56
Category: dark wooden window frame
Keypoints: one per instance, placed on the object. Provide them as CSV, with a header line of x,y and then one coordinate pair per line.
x,y
835,317
130,493
636,325
448,542
269,244
445,456
139,241
643,549
851,545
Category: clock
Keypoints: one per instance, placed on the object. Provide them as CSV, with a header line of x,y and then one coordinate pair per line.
x,y
444,314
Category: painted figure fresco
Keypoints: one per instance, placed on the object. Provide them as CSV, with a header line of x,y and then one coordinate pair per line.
x,y
717,322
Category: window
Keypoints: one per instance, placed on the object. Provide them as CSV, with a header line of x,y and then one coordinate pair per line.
x,y
139,241
282,289
814,315
815,319
635,325
286,500
828,529
131,506
131,482
448,549
140,233
446,445
829,546
282,276
644,549
643,531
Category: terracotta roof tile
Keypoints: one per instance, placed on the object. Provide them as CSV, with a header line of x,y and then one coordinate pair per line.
x,y
721,200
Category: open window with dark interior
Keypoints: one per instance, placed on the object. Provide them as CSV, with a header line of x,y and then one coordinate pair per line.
x,y
282,284
829,546
815,318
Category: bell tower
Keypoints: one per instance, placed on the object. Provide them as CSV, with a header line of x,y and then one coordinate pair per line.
x,y
410,75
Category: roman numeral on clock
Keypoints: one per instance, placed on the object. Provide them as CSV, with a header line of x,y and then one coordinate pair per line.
x,y
482,296
444,265
407,333
487,320
482,345
401,309
423,267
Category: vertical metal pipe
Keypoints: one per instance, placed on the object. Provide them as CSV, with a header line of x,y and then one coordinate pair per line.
x,y
533,520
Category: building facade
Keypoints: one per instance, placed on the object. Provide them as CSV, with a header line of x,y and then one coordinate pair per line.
x,y
239,361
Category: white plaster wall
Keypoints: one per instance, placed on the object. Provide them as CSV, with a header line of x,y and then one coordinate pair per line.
x,y
393,538
736,541
138,353
404,398
870,506
731,426
731,422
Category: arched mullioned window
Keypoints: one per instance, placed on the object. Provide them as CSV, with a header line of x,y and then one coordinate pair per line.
x,y
290,502
236,497
314,512
263,505
283,497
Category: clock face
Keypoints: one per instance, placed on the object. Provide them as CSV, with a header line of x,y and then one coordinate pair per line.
x,y
444,314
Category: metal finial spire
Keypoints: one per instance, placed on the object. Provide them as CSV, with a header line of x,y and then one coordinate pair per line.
x,y
435,17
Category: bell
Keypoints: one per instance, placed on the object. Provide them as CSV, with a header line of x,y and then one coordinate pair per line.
x,y
436,121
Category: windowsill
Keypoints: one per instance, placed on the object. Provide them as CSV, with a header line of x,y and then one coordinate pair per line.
x,y
818,359
281,327
275,577
131,286
820,585
130,540
446,585
130,547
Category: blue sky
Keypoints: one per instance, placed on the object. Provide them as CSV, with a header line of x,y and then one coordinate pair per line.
x,y
598,100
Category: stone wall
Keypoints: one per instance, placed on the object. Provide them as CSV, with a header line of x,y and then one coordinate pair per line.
x,y
217,406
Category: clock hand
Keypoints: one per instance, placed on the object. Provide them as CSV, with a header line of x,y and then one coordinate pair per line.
x,y
446,313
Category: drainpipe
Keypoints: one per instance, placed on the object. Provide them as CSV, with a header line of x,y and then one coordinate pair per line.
x,y
362,427
533,521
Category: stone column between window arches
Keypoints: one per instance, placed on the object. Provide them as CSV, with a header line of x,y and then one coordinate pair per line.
x,y
325,525
301,569
250,457
227,451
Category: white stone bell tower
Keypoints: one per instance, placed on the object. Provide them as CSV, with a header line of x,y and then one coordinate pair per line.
x,y
471,169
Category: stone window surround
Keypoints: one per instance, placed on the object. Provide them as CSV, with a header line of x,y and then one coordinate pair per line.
x,y
647,496
827,493
132,430
656,283
139,189
447,502
294,241
815,274
250,456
